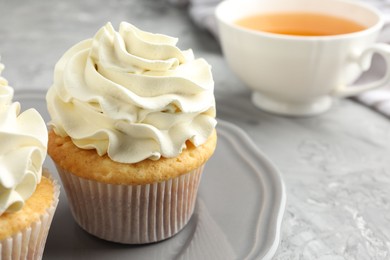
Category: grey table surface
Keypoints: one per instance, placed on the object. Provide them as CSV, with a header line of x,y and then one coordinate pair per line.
x,y
335,166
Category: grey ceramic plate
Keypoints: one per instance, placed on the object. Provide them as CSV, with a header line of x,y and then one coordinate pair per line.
x,y
238,213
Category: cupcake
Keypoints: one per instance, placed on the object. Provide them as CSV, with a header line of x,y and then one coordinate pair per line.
x,y
28,197
132,127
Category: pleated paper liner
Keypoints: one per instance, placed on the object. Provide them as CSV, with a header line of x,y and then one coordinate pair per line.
x,y
132,214
29,243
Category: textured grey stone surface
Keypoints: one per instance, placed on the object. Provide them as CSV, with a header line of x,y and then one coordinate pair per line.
x,y
335,166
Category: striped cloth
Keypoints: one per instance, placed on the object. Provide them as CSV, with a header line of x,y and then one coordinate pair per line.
x,y
378,99
202,13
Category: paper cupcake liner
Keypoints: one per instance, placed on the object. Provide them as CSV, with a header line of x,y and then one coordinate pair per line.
x,y
132,214
29,243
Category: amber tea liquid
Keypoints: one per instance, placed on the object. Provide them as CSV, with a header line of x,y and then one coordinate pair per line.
x,y
300,24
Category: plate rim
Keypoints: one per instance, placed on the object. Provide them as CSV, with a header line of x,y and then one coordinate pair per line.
x,y
274,178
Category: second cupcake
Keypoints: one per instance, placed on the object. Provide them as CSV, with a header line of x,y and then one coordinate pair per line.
x,y
28,194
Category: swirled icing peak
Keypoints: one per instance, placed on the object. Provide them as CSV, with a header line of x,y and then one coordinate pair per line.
x,y
133,95
23,138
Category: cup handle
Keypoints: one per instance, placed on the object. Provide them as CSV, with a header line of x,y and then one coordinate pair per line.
x,y
364,61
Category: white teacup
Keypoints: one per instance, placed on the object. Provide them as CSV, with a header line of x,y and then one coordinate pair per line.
x,y
299,75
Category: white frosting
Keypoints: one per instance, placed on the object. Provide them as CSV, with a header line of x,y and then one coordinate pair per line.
x,y
3,81
133,95
23,139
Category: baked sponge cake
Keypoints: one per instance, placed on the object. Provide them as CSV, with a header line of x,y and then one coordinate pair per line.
x,y
89,165
132,127
34,207
28,194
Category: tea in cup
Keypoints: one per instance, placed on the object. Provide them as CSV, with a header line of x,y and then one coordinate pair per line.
x,y
297,55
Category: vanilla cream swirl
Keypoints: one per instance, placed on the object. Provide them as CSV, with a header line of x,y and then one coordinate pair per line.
x,y
23,138
133,95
